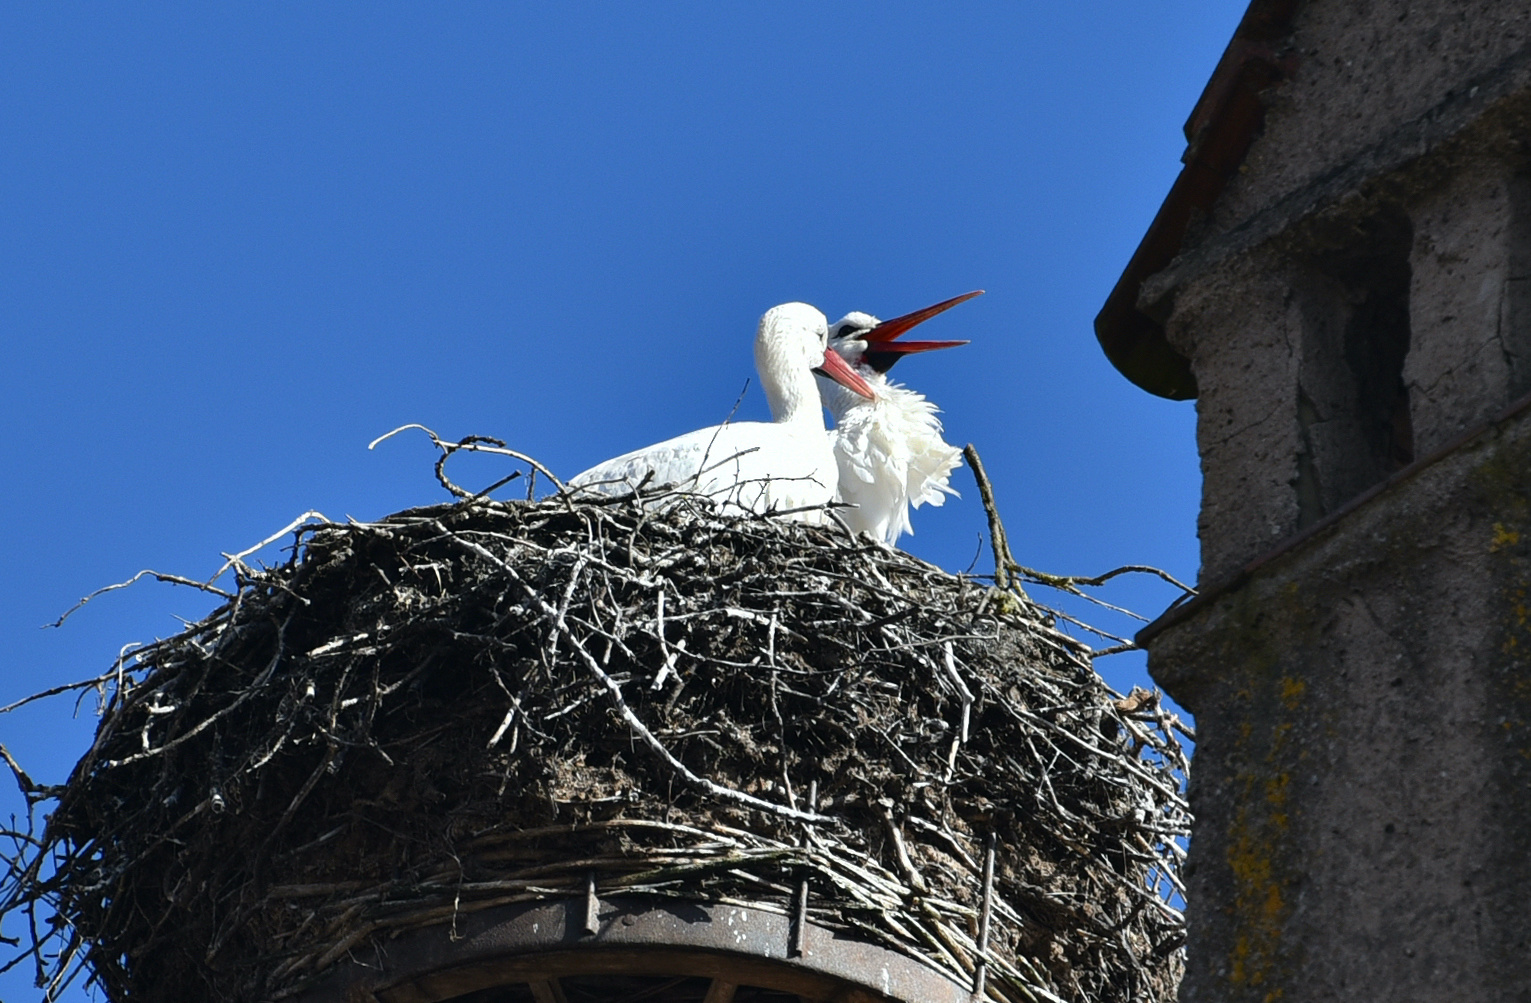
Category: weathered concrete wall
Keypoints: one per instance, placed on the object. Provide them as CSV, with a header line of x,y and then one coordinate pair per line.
x,y
1244,326
1300,356
1366,67
1359,339
1363,774
1471,351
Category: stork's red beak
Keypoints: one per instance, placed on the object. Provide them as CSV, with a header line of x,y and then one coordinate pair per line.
x,y
882,351
838,370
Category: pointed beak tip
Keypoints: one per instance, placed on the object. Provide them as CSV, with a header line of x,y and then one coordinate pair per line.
x,y
890,329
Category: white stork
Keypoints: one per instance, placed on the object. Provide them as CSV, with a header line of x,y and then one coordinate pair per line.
x,y
888,447
783,465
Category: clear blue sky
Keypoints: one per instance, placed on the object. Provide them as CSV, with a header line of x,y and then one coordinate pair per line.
x,y
239,241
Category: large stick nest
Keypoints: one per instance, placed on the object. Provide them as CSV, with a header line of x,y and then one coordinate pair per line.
x,y
479,704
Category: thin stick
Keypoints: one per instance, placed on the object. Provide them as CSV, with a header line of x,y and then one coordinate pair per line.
x,y
1006,566
230,560
997,539
1063,581
26,783
664,646
83,684
963,693
146,573
474,447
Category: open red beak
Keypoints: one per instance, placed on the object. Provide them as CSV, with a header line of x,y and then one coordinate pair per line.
x,y
838,370
882,351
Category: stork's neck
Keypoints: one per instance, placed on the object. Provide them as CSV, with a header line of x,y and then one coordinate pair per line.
x,y
788,345
792,395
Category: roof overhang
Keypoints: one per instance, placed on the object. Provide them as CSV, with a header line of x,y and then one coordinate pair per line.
x,y
1225,122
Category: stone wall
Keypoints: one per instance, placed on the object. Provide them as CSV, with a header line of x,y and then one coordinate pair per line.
x,y
1356,309
1363,779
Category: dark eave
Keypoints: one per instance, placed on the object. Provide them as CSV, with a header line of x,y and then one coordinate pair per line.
x,y
1225,121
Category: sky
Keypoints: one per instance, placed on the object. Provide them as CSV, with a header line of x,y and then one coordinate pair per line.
x,y
238,242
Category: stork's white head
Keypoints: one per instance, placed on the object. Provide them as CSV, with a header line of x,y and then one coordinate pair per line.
x,y
846,336
791,344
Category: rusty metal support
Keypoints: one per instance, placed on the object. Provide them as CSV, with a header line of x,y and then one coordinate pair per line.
x,y
535,944
592,906
548,991
800,912
720,992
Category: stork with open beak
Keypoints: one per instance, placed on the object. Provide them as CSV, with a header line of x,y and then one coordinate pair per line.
x,y
783,465
887,446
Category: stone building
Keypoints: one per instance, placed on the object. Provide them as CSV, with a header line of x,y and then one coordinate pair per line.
x,y
1341,277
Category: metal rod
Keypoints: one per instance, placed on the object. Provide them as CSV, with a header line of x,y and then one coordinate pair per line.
x,y
592,906
981,965
800,914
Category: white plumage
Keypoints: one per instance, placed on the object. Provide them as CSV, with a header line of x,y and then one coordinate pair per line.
x,y
889,453
890,456
753,466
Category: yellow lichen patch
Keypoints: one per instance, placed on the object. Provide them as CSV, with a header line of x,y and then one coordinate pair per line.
x,y
1517,635
1260,827
1276,794
1258,901
1520,622
1503,537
